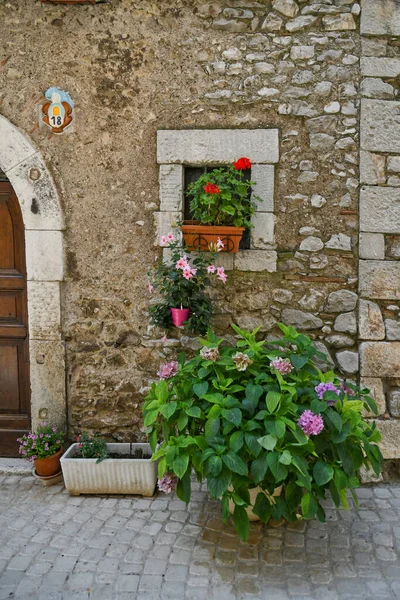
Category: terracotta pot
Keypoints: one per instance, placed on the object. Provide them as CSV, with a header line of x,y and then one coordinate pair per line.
x,y
45,467
179,316
253,496
199,237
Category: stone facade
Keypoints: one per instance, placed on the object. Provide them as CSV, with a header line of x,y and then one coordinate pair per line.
x,y
307,88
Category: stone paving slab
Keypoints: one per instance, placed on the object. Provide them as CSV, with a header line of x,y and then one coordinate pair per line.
x,y
57,547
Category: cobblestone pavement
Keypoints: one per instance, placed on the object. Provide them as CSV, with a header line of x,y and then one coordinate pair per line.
x,y
58,547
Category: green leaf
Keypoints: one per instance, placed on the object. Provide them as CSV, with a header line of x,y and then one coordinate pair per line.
x,y
300,436
235,463
335,419
280,428
241,522
285,458
293,495
298,360
214,465
200,389
340,479
162,467
150,417
182,422
300,463
343,498
278,470
194,411
334,493
225,508
259,468
253,394
234,415
252,443
268,442
262,507
309,506
167,410
162,391
183,488
180,465
273,399
322,472
236,441
218,485
212,428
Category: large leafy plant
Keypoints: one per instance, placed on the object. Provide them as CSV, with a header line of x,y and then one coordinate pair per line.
x,y
223,196
181,282
262,414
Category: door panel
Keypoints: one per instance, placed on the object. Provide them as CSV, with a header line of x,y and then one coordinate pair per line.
x,y
14,356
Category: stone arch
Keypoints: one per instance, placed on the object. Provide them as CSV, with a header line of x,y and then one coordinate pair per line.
x,y
43,222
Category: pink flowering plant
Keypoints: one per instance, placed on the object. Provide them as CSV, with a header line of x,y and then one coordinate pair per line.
x,y
46,441
262,414
181,282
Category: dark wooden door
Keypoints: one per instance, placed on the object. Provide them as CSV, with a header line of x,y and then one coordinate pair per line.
x,y
14,354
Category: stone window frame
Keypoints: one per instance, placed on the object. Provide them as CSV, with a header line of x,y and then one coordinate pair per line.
x,y
204,147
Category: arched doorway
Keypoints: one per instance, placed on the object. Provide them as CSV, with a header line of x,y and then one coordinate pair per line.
x,y
14,350
33,200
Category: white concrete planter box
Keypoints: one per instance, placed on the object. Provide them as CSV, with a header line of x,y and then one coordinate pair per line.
x,y
112,475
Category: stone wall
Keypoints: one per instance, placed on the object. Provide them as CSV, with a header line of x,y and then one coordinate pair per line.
x,y
299,67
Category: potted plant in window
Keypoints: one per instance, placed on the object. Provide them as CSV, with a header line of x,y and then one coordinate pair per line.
x,y
254,417
181,281
44,448
221,206
91,466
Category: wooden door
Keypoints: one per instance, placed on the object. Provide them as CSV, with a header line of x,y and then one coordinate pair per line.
x,y
14,354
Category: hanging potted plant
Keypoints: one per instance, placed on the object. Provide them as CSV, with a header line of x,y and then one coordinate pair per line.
x,y
221,206
44,448
270,432
181,283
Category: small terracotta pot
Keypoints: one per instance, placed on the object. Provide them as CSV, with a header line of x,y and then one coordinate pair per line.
x,y
45,467
179,316
253,496
199,237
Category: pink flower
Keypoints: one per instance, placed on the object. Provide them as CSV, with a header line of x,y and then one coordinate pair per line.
x,y
284,367
211,269
242,361
209,353
193,271
167,483
181,263
164,339
187,273
170,237
168,369
321,388
221,274
150,288
311,423
164,240
220,245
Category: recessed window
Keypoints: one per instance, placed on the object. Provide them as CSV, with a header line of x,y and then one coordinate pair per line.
x,y
192,174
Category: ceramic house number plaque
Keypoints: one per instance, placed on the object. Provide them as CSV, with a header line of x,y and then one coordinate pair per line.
x,y
58,110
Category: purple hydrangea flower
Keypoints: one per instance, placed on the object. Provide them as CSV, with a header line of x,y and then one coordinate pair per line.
x,y
311,423
168,369
167,483
284,366
321,388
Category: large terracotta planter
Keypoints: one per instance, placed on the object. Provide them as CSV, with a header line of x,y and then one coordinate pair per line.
x,y
253,496
199,237
179,316
45,467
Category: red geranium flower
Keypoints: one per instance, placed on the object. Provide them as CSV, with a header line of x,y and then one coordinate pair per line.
x,y
211,188
242,164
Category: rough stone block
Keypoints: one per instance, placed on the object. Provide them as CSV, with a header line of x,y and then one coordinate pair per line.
x,y
341,301
372,246
380,359
44,255
47,382
389,443
380,209
44,310
165,222
217,146
262,234
379,279
36,194
226,260
394,403
393,164
346,323
14,146
348,361
392,329
373,87
380,17
300,319
256,260
375,385
373,47
171,188
372,168
263,175
342,22
370,321
302,52
372,66
380,125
